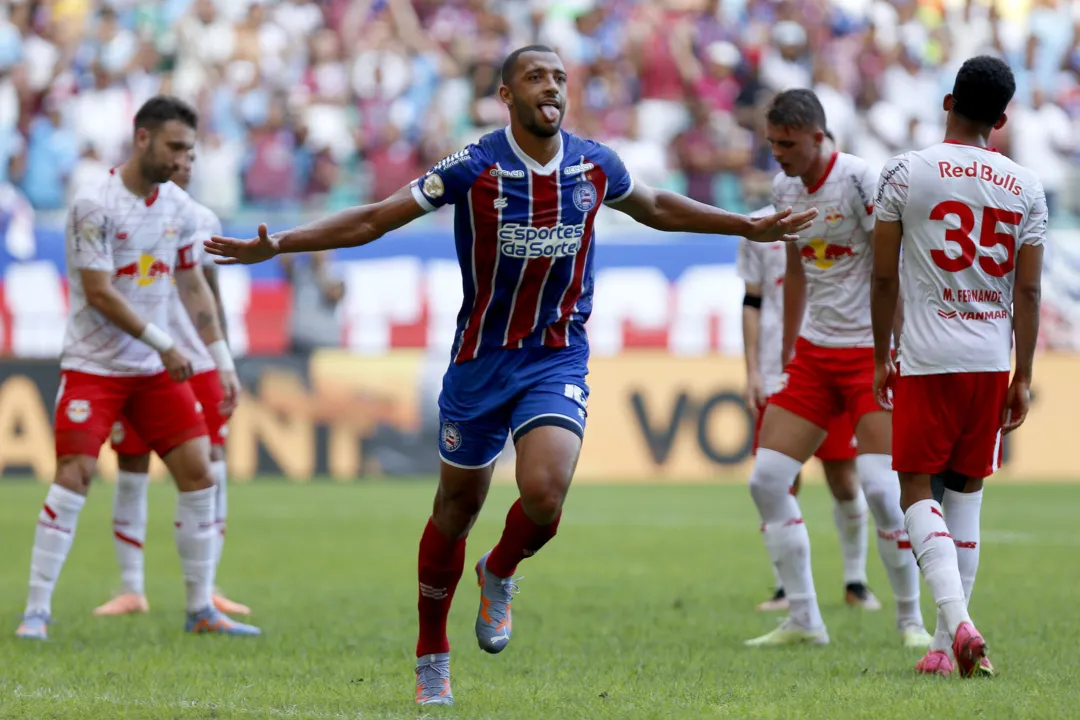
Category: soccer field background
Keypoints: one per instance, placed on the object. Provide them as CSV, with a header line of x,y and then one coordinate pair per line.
x,y
636,610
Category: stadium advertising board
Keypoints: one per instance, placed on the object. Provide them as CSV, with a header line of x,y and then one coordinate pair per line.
x,y
652,417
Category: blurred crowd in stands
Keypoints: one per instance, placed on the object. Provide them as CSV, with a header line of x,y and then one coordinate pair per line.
x,y
319,104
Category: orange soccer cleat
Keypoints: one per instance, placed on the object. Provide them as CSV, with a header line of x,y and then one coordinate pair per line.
x,y
126,604
229,607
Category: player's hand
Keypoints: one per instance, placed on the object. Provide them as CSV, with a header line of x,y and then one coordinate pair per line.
x,y
230,384
884,381
1017,403
242,252
783,225
178,366
755,394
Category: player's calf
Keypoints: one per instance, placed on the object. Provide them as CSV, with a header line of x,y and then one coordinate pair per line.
x,y
53,537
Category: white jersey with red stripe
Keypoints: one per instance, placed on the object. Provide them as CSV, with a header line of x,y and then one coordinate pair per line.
x,y
836,250
188,340
140,242
764,264
965,213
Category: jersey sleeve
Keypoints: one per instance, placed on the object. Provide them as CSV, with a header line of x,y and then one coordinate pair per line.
x,y
89,233
187,256
449,180
748,263
892,192
211,227
865,181
1034,228
619,181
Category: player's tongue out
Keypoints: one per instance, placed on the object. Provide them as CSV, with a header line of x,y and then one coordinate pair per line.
x,y
550,113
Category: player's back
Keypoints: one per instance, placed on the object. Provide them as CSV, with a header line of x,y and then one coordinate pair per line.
x,y
967,212
136,240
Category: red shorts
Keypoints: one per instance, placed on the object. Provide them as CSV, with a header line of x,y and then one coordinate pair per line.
x,y
161,411
949,422
826,383
839,443
208,393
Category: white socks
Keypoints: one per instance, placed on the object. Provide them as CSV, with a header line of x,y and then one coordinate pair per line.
x,y
195,533
882,488
219,472
962,512
52,542
129,528
934,548
851,519
785,534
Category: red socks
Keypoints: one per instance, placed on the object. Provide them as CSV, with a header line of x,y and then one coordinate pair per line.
x,y
521,538
442,561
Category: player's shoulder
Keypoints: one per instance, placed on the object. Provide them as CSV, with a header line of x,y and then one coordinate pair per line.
x,y
575,146
847,163
96,190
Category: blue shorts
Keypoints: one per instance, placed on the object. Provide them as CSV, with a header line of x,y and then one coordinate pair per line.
x,y
510,391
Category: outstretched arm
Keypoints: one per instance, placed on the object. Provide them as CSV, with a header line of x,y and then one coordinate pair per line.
x,y
671,212
348,228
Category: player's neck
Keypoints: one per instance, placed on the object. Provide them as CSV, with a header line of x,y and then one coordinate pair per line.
x,y
963,133
540,149
818,169
133,179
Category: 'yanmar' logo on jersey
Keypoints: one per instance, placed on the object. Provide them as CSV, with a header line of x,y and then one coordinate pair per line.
x,y
524,241
976,169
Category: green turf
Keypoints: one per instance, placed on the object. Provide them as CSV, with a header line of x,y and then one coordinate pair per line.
x,y
637,609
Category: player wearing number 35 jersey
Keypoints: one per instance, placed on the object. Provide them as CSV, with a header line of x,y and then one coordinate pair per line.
x,y
969,225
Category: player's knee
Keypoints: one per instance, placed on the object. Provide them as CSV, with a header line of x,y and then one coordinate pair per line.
x,y
767,486
74,473
543,488
133,463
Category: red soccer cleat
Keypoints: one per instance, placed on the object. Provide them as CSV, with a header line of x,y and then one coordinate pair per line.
x,y
935,662
969,648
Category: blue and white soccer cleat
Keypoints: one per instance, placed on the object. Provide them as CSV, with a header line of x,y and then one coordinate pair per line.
x,y
493,621
433,680
213,621
34,626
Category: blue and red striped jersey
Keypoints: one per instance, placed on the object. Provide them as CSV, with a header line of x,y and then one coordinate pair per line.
x,y
524,237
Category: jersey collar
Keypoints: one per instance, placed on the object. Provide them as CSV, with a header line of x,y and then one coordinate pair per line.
x,y
828,171
977,147
552,166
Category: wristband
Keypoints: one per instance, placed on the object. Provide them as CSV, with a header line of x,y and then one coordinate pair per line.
x,y
157,338
219,350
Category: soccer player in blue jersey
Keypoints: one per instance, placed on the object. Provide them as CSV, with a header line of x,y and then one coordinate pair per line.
x,y
526,200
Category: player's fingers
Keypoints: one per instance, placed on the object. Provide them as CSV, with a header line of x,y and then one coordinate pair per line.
x,y
790,238
226,261
264,235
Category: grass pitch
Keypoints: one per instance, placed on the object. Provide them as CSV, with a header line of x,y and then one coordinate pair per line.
x,y
637,610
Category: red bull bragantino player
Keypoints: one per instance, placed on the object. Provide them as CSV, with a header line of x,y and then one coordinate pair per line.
x,y
119,360
762,268
970,225
525,200
828,338
133,476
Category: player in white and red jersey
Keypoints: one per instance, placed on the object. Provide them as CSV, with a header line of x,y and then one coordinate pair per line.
x,y
133,476
127,235
970,225
828,351
762,268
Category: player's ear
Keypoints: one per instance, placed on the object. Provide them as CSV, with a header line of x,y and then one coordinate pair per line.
x,y
1001,121
506,96
947,103
819,137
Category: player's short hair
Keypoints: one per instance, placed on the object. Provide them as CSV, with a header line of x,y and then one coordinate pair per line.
x,y
510,63
984,87
799,108
160,109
